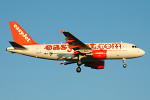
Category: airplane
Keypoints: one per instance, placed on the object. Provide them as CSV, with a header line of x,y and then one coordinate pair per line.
x,y
73,51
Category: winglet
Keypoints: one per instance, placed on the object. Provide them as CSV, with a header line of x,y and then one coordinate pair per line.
x,y
61,31
60,63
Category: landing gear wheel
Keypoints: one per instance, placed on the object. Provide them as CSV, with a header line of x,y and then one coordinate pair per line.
x,y
79,63
78,69
124,65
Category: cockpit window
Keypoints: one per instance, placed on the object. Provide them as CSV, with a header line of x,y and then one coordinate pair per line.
x,y
134,46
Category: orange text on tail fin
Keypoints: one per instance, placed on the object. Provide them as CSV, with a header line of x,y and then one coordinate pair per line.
x,y
19,35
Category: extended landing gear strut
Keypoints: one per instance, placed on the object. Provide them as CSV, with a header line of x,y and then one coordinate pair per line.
x,y
79,63
124,65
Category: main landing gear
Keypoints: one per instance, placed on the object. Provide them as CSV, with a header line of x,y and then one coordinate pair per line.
x,y
124,65
78,69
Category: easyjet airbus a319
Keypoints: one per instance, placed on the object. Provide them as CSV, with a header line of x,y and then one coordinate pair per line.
x,y
73,51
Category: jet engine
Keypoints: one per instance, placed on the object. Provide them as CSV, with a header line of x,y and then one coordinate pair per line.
x,y
99,54
96,65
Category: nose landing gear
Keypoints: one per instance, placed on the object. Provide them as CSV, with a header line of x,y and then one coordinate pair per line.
x,y
124,65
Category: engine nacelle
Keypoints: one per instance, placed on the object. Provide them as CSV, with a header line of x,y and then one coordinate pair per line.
x,y
99,54
96,65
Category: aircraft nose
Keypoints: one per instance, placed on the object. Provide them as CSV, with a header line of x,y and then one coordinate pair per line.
x,y
142,52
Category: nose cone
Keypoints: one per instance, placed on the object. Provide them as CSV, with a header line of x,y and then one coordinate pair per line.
x,y
142,52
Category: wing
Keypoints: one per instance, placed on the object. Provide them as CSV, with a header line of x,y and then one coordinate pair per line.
x,y
75,43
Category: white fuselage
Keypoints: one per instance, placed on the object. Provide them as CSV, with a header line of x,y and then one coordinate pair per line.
x,y
63,52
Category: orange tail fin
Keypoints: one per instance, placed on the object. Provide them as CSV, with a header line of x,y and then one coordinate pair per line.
x,y
19,35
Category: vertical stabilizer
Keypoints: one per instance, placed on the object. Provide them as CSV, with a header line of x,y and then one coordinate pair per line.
x,y
19,35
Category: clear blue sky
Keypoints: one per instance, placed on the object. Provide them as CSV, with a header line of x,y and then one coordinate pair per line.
x,y
27,78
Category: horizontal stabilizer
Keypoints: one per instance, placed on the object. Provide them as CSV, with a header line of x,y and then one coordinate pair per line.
x,y
16,45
